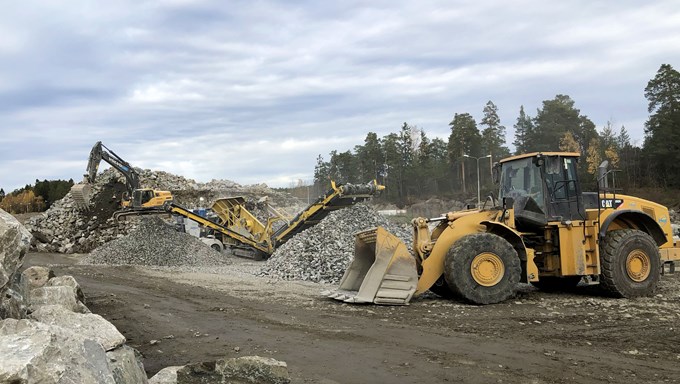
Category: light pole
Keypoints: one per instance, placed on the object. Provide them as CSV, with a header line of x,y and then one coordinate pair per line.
x,y
479,193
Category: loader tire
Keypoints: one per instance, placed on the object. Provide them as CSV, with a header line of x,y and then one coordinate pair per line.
x,y
630,263
482,268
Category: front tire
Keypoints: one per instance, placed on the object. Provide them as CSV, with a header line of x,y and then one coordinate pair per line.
x,y
482,268
630,263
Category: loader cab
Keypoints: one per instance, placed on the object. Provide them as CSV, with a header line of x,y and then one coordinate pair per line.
x,y
543,187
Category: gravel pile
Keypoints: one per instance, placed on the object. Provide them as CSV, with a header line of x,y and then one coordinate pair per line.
x,y
322,253
65,229
156,243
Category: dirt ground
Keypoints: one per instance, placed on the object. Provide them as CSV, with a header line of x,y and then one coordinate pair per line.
x,y
174,317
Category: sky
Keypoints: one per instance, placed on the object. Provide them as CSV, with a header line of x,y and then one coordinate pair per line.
x,y
253,91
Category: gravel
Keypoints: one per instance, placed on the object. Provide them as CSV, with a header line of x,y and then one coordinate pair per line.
x,y
155,243
322,253
65,229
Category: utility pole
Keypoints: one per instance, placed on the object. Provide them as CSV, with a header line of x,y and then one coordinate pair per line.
x,y
479,192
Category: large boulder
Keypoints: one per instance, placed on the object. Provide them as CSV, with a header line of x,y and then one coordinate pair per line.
x,y
67,281
14,299
14,242
241,370
167,375
59,295
37,276
89,325
126,365
33,352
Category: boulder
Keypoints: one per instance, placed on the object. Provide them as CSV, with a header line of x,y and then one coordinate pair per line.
x,y
68,281
14,242
13,303
33,352
37,276
60,295
89,325
241,370
167,375
126,365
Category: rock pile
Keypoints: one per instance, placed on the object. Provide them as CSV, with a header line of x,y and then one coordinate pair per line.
x,y
47,334
322,253
156,243
65,229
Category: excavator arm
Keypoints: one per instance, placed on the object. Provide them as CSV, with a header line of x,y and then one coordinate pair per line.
x,y
81,192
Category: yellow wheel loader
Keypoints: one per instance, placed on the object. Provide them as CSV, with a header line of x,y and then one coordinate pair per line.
x,y
541,230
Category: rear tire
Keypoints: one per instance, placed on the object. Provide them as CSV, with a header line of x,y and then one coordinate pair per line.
x,y
630,263
482,268
216,247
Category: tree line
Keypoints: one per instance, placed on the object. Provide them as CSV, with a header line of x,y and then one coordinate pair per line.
x,y
34,198
414,166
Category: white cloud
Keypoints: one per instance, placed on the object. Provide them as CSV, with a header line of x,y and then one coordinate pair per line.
x,y
254,91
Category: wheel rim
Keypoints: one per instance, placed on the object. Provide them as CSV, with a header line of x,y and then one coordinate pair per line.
x,y
638,266
487,269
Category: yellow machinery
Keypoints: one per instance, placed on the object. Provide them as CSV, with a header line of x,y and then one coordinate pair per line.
x,y
249,237
137,201
542,230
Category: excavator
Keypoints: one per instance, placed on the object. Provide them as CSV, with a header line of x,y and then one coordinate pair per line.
x,y
543,230
136,201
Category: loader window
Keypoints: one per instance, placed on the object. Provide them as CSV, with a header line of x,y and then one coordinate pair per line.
x,y
561,178
522,178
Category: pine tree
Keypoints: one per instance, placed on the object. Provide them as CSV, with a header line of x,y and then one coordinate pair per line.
x,y
464,140
662,129
493,135
523,131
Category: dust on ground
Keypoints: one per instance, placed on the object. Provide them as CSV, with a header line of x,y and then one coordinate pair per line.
x,y
181,315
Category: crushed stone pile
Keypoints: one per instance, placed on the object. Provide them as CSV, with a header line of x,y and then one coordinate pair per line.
x,y
323,252
65,229
155,243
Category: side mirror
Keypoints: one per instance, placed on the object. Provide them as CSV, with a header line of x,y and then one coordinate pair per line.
x,y
602,181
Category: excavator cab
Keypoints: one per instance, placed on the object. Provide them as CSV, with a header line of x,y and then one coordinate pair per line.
x,y
141,197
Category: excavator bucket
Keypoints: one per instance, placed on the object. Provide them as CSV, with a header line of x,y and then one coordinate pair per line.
x,y
81,195
382,272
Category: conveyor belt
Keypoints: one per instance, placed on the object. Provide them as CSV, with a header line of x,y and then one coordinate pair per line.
x,y
337,197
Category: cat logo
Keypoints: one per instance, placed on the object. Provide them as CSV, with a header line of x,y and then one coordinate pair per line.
x,y
610,203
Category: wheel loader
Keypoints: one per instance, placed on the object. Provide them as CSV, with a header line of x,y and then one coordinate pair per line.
x,y
542,229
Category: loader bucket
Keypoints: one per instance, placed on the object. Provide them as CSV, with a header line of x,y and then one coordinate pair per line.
x,y
81,195
382,272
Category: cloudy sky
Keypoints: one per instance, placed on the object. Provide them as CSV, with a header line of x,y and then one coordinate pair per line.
x,y
253,91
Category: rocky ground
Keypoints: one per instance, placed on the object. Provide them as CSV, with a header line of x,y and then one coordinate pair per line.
x,y
178,315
